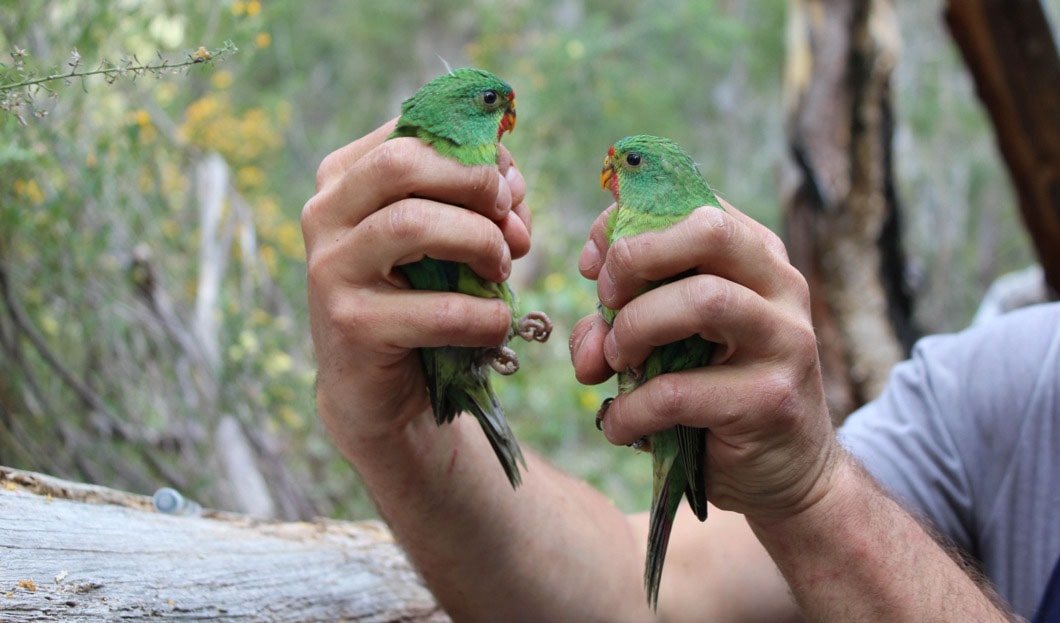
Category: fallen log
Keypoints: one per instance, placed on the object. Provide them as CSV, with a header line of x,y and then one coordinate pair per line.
x,y
75,552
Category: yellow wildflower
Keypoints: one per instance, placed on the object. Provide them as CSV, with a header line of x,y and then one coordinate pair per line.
x,y
249,177
253,8
263,39
277,363
589,399
29,190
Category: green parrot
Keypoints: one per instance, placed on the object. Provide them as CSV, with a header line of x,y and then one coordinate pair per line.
x,y
462,115
656,184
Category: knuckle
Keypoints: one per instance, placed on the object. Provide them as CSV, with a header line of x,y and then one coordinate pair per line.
x,y
804,339
393,160
709,296
484,180
776,245
715,227
798,286
405,222
329,166
779,391
669,395
309,215
348,313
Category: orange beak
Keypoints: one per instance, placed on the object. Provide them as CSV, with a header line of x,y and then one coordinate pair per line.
x,y
606,173
508,120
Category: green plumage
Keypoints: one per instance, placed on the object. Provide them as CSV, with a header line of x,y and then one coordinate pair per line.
x,y
656,184
462,114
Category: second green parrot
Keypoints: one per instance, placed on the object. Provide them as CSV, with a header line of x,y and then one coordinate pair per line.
x,y
656,184
462,115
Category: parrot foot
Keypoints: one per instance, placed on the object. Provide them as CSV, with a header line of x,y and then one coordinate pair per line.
x,y
601,411
534,327
636,375
502,359
641,444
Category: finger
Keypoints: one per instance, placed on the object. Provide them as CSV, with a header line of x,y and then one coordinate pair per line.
x,y
592,256
769,237
402,168
708,241
516,234
411,229
517,188
733,401
522,210
713,308
341,159
586,350
397,320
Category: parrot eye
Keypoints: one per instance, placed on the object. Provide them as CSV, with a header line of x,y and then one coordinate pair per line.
x,y
489,97
633,159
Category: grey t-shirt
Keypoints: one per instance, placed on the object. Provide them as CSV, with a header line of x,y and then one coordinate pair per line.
x,y
967,435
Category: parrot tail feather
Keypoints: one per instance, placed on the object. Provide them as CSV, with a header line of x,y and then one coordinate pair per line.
x,y
658,539
663,509
693,444
481,402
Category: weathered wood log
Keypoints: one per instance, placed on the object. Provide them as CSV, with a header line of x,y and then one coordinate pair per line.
x,y
74,552
1009,48
840,205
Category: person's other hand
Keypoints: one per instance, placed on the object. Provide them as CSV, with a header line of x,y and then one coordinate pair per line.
x,y
771,447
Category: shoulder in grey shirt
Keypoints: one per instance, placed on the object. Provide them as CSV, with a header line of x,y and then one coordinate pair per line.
x,y
967,435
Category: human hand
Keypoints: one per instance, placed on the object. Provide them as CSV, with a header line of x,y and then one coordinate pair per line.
x,y
771,449
379,205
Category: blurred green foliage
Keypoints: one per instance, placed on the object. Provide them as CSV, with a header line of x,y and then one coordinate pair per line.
x,y
100,203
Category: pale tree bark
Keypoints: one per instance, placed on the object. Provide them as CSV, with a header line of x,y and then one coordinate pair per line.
x,y
76,552
1009,48
840,206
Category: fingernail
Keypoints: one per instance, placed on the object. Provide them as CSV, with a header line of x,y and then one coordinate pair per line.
x,y
504,196
590,256
575,341
611,350
605,287
506,262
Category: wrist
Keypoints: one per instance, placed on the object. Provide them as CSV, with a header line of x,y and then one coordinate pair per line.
x,y
368,435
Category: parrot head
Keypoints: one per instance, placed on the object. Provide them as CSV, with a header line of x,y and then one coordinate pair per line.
x,y
637,164
466,106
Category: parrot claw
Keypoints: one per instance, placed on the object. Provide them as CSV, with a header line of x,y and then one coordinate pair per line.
x,y
601,411
534,327
502,359
641,444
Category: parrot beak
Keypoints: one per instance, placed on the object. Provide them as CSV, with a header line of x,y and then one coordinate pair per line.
x,y
607,173
508,120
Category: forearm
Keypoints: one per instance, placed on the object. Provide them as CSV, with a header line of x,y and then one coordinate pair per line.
x,y
856,555
555,549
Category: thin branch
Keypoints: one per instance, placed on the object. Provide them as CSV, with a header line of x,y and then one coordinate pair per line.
x,y
200,56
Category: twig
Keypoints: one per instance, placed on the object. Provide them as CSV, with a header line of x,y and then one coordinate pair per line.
x,y
201,56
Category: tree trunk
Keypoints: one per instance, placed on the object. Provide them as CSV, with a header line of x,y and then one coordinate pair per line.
x,y
1009,48
76,552
841,217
